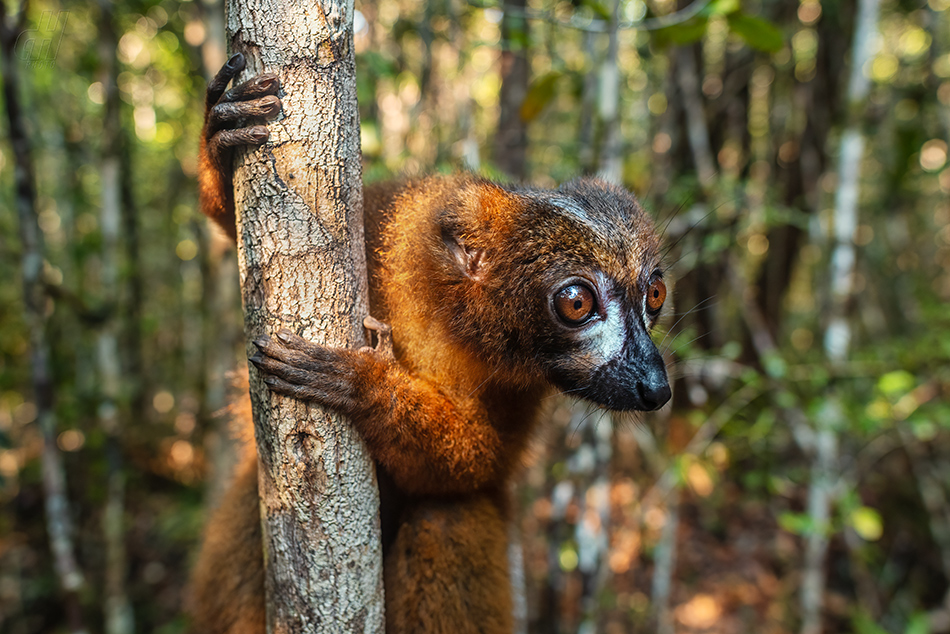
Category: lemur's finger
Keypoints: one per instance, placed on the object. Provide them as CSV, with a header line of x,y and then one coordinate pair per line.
x,y
226,113
334,399
371,323
294,341
220,142
329,377
384,335
217,85
254,88
323,361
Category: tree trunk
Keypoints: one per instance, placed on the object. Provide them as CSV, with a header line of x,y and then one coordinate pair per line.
x,y
118,610
302,261
838,333
59,524
511,139
688,79
611,157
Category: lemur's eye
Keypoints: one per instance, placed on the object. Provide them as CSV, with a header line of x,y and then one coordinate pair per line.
x,y
574,304
656,295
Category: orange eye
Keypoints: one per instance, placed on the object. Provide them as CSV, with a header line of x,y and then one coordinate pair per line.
x,y
656,295
574,304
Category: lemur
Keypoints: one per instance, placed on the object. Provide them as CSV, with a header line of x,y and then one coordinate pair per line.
x,y
496,296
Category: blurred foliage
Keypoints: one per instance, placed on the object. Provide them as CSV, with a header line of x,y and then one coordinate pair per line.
x,y
749,250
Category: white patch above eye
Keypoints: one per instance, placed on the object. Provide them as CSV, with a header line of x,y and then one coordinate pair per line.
x,y
573,210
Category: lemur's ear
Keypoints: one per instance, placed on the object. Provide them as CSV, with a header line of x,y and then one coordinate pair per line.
x,y
478,210
470,261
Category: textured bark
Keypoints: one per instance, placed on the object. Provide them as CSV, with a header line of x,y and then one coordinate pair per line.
x,y
300,250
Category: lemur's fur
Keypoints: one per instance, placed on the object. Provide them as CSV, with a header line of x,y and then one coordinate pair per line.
x,y
495,296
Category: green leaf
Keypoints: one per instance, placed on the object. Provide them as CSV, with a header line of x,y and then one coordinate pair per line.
x,y
919,623
540,94
720,7
864,624
600,10
797,523
760,34
688,32
774,364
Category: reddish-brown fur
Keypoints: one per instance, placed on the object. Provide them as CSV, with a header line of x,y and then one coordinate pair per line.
x,y
463,270
454,434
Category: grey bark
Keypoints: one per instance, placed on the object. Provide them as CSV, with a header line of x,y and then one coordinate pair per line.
x,y
824,466
611,161
302,261
687,77
118,610
664,565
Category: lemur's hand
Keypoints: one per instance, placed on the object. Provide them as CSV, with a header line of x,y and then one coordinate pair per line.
x,y
232,118
333,377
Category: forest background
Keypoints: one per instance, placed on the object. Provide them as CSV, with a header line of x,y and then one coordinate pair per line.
x,y
799,482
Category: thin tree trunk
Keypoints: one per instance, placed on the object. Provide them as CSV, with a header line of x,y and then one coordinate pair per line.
x,y
511,140
838,334
58,521
302,261
118,611
516,573
664,566
687,78
592,532
611,161
586,112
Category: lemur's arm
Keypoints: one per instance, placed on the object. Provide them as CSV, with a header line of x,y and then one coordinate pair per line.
x,y
226,116
431,443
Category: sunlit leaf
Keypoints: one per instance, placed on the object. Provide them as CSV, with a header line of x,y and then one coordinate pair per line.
x,y
567,558
758,33
867,523
540,94
896,382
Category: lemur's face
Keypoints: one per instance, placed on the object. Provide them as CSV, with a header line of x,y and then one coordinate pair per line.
x,y
602,350
565,284
602,290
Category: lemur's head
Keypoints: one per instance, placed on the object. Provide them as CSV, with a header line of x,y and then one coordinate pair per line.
x,y
565,284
